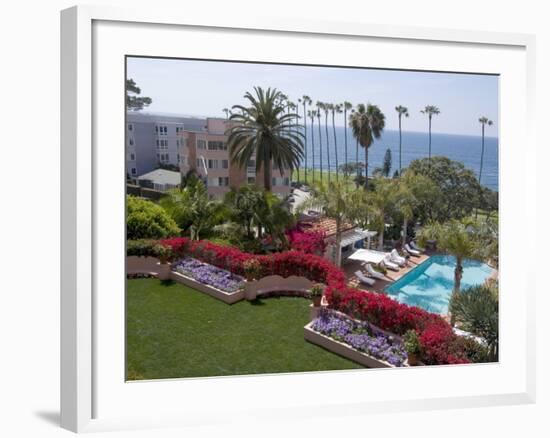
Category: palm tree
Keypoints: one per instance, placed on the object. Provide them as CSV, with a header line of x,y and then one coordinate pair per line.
x,y
311,114
305,100
477,310
192,209
263,130
367,123
431,111
335,109
401,111
319,107
227,112
484,121
457,238
346,107
335,199
326,108
243,204
382,199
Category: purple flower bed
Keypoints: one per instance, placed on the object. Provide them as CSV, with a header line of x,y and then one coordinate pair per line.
x,y
361,336
209,275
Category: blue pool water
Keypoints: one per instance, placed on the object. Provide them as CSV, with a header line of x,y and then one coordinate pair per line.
x,y
430,285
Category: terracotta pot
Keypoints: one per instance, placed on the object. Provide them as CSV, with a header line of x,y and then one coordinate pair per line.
x,y
164,271
317,301
412,358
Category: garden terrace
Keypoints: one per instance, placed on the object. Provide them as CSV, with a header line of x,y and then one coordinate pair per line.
x,y
439,344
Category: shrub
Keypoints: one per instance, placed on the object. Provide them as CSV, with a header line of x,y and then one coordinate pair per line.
x,y
147,220
148,248
252,269
309,242
410,342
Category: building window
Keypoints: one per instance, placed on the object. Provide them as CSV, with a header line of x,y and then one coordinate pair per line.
x,y
280,181
130,127
224,181
251,180
134,171
212,164
179,129
225,164
201,144
162,143
161,129
179,160
132,157
217,146
131,141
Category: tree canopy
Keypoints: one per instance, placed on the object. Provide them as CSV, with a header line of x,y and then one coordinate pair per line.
x,y
134,101
458,186
147,220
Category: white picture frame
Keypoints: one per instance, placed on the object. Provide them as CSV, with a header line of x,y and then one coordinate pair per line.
x,y
82,186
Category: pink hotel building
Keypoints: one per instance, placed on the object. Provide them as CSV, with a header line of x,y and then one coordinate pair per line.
x,y
206,151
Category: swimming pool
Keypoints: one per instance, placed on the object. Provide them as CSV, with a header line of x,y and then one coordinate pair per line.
x,y
430,284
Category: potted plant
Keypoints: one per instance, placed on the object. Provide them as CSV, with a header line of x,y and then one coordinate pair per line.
x,y
252,269
412,346
316,293
164,254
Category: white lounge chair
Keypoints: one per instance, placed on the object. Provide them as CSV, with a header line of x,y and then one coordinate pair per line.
x,y
374,273
389,264
416,247
364,279
411,251
396,258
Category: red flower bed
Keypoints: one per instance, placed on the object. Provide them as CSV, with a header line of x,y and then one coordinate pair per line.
x,y
309,242
439,344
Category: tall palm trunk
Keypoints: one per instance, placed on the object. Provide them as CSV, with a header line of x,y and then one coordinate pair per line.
x,y
320,148
328,144
458,278
335,146
267,172
338,258
399,144
357,159
381,235
345,138
430,139
305,142
482,151
313,149
405,224
366,167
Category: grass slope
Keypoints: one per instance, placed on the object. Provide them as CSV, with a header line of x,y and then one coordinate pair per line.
x,y
174,331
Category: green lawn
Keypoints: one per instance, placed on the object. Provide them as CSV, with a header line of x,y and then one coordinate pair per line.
x,y
175,331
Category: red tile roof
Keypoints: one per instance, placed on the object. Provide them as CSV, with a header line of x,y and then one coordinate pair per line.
x,y
326,224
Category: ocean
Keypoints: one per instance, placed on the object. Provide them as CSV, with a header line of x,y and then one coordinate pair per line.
x,y
463,148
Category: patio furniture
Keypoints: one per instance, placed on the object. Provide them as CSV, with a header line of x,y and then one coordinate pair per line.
x,y
411,251
416,247
389,264
396,258
374,273
364,279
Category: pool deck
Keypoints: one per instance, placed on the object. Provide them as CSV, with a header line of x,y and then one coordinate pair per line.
x,y
351,266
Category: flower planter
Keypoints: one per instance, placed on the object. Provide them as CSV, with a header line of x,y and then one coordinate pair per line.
x,y
226,297
376,338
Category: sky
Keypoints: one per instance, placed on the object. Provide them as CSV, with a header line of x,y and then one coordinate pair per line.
x,y
204,88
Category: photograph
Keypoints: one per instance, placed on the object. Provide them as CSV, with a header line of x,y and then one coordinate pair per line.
x,y
290,218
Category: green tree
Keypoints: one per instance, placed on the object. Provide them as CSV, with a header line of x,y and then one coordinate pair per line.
x,y
457,238
147,220
335,200
192,209
135,102
413,191
319,107
458,186
401,111
326,107
476,309
243,205
430,111
382,201
367,123
265,131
